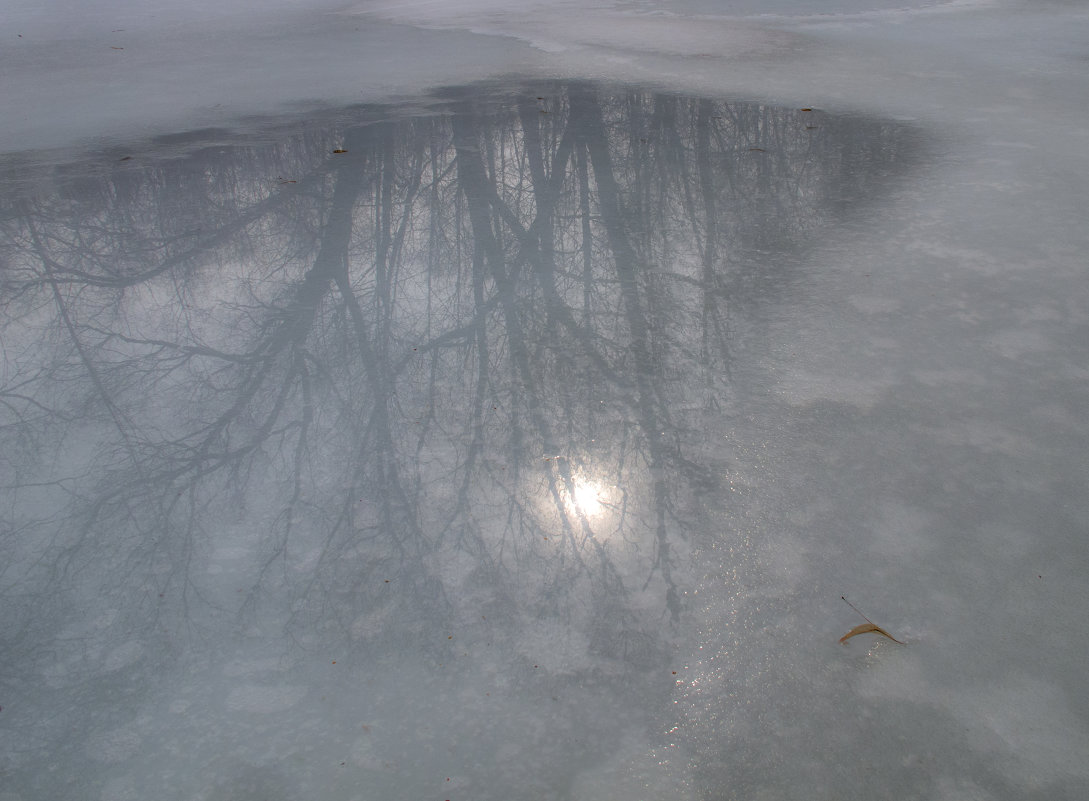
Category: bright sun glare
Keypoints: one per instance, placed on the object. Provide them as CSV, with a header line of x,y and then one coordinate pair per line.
x,y
586,497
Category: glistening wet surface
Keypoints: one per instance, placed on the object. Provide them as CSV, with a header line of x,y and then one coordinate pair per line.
x,y
378,459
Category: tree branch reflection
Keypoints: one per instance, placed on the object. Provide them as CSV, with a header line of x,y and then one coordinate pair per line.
x,y
458,364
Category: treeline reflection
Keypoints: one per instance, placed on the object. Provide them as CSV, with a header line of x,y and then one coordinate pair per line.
x,y
461,371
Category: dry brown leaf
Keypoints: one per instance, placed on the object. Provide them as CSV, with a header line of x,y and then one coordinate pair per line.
x,y
869,625
864,628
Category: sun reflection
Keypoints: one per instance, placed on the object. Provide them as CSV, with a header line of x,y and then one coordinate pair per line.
x,y
586,497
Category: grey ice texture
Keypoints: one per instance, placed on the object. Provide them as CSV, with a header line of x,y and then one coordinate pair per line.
x,y
524,448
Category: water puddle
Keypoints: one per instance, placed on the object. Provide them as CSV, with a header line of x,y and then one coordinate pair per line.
x,y
374,454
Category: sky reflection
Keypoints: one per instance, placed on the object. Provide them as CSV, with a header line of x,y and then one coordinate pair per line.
x,y
299,393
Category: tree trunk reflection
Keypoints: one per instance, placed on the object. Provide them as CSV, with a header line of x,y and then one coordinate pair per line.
x,y
464,371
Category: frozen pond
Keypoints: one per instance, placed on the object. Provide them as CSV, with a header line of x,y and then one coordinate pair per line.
x,y
429,415
436,432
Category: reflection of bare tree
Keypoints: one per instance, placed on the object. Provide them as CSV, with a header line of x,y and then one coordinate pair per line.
x,y
459,367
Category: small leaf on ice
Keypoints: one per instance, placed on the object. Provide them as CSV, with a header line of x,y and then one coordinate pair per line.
x,y
863,628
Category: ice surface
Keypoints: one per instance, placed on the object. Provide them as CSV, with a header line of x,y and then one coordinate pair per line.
x,y
432,469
